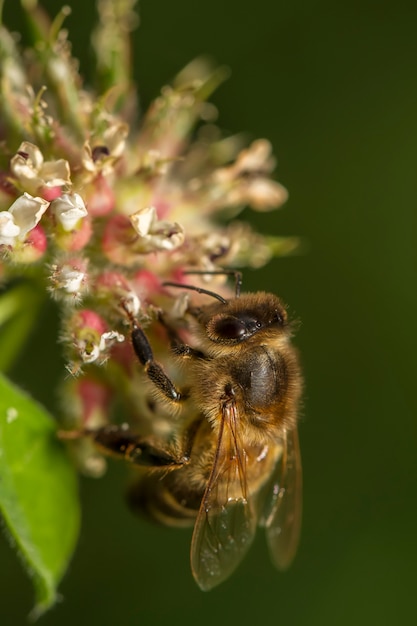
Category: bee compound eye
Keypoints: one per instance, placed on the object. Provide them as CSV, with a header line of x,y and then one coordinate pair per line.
x,y
229,328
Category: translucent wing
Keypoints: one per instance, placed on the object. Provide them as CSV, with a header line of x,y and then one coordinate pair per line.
x,y
226,523
283,511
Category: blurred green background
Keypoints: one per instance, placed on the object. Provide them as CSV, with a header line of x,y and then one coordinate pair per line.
x,y
334,87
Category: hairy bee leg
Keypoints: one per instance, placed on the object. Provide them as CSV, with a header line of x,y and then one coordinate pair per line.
x,y
172,333
122,442
185,351
178,347
153,370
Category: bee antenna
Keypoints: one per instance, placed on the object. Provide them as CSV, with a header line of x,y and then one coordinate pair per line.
x,y
237,275
198,289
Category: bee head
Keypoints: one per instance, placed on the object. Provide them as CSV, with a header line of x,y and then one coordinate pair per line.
x,y
239,319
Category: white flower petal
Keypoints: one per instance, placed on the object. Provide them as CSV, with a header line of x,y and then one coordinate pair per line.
x,y
114,138
25,166
89,353
87,158
92,352
29,167
264,194
156,235
108,338
131,303
34,155
71,280
27,212
167,236
55,173
69,209
8,229
256,158
143,220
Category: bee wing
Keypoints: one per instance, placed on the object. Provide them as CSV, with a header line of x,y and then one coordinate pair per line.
x,y
282,515
226,522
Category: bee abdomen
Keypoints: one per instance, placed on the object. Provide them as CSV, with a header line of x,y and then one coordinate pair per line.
x,y
153,499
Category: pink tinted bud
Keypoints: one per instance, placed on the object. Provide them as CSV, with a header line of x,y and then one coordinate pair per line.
x,y
33,248
146,283
37,239
123,354
95,399
87,319
114,287
162,206
112,280
50,193
99,197
76,239
118,237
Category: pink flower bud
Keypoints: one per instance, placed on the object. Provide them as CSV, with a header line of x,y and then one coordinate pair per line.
x,y
146,283
99,197
50,193
115,289
33,248
118,239
89,320
95,399
77,239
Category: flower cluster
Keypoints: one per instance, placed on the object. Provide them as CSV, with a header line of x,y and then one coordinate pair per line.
x,y
104,207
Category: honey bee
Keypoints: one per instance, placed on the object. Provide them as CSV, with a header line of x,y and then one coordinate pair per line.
x,y
234,460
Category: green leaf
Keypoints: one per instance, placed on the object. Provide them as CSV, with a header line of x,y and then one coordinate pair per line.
x,y
19,308
38,491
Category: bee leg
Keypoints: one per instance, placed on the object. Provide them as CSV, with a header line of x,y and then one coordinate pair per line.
x,y
153,369
178,347
185,351
120,441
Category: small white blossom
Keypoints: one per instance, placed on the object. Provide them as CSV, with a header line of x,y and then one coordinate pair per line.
x,y
8,229
69,280
114,138
69,209
256,158
90,352
33,172
156,235
143,220
131,303
112,142
24,214
27,212
108,338
265,194
72,281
